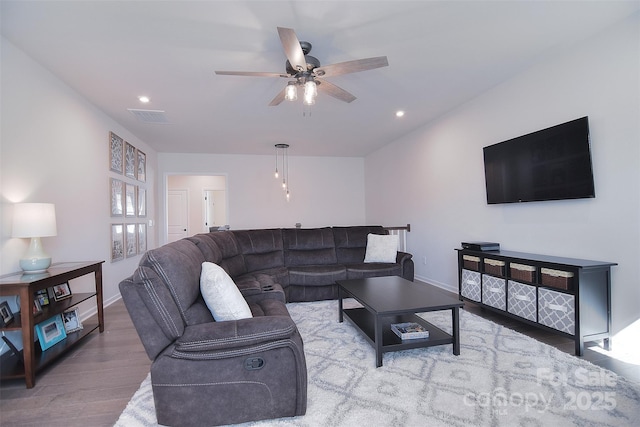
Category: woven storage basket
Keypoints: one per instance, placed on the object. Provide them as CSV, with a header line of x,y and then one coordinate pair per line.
x,y
522,272
494,267
471,262
557,278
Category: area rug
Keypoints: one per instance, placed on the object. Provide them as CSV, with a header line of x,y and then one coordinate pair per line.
x,y
500,378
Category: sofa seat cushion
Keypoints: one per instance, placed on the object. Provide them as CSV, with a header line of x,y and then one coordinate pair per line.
x,y
269,307
316,275
256,282
221,294
364,270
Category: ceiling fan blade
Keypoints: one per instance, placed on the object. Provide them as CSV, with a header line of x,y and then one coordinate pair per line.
x,y
351,66
292,49
335,91
279,98
250,74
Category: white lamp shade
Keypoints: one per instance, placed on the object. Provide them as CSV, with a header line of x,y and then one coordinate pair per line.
x,y
34,220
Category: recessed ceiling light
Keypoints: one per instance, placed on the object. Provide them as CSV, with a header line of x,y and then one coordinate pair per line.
x,y
144,99
399,113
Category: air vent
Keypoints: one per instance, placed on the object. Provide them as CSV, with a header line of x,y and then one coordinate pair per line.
x,y
150,116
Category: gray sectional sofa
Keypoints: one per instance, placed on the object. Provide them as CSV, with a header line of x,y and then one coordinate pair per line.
x,y
205,372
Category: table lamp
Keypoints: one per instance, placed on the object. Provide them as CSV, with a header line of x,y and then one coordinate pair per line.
x,y
34,220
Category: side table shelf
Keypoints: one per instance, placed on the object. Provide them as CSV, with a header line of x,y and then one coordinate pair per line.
x,y
31,358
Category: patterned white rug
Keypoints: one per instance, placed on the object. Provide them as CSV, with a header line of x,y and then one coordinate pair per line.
x,y
501,378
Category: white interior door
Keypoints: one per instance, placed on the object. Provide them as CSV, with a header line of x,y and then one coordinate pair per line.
x,y
215,208
177,215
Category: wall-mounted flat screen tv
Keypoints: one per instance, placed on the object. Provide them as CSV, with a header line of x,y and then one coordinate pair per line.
x,y
550,164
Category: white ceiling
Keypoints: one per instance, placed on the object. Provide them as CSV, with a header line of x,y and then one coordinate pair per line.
x,y
441,54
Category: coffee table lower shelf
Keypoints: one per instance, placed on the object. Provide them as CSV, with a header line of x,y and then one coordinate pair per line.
x,y
365,323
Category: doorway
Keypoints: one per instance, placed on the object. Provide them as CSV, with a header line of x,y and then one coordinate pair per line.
x,y
195,203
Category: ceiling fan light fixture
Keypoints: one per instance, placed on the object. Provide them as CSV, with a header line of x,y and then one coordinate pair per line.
x,y
291,92
310,92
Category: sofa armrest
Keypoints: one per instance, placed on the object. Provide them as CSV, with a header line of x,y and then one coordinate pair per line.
x,y
402,257
233,334
406,262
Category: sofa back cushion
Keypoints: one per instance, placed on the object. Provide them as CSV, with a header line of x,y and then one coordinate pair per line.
x,y
261,249
231,258
351,242
208,247
178,264
312,246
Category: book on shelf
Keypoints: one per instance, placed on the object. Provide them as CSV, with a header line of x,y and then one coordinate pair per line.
x,y
409,330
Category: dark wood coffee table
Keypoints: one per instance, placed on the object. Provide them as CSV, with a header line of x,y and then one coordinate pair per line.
x,y
392,299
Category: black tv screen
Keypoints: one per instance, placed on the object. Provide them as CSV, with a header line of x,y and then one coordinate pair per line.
x,y
550,164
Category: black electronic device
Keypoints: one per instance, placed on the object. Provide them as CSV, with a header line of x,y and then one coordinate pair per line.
x,y
481,246
550,164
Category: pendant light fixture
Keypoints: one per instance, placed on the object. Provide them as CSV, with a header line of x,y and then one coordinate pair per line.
x,y
282,150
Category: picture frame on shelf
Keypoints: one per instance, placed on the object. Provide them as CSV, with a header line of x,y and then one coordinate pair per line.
x,y
130,200
6,315
129,160
131,240
61,291
37,308
141,166
12,347
116,148
142,202
116,197
43,297
142,238
117,242
50,332
72,322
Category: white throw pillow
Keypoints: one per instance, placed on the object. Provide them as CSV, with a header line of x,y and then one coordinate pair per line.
x,y
221,294
381,248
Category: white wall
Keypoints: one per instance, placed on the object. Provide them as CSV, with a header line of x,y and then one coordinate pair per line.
x,y
437,174
325,191
55,148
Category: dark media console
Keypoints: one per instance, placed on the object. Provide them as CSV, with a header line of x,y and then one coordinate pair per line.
x,y
570,297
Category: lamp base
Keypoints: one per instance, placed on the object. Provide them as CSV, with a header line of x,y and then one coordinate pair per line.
x,y
35,260
35,265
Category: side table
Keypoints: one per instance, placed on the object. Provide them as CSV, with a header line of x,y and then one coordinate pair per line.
x,y
25,286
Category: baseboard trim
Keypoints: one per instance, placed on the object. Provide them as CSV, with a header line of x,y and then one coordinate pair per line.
x,y
94,310
445,286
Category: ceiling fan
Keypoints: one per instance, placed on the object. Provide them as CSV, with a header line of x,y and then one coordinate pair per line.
x,y
305,71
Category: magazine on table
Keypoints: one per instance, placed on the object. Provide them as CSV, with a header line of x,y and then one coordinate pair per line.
x,y
409,330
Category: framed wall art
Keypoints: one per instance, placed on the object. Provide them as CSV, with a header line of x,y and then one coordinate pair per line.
x,y
116,148
130,200
142,202
141,166
131,240
116,197
117,242
50,332
142,238
129,160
